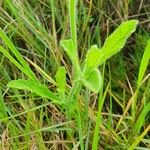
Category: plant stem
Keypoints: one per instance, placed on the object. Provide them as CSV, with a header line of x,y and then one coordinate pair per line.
x,y
72,13
75,90
77,83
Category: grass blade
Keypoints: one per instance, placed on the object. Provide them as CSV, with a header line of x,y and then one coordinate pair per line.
x,y
136,142
141,119
3,112
6,54
9,44
98,120
144,63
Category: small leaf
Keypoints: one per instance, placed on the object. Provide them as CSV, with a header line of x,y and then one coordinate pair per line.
x,y
34,87
144,63
69,48
93,81
61,78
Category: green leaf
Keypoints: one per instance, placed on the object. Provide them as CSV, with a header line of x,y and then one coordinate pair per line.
x,y
92,57
3,110
144,63
112,45
61,78
141,119
117,39
69,48
33,87
93,80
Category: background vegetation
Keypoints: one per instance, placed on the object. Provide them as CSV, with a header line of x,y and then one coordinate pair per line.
x,y
35,28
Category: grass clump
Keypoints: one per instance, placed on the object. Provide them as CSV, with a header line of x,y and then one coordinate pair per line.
x,y
58,94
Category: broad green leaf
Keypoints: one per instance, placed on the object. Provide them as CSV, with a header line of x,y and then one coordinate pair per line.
x,y
92,57
34,87
112,45
144,63
117,39
61,78
69,49
93,80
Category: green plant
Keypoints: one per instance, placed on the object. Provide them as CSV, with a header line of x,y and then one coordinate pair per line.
x,y
86,74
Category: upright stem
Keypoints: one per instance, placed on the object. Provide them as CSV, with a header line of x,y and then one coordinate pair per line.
x,y
72,13
76,67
